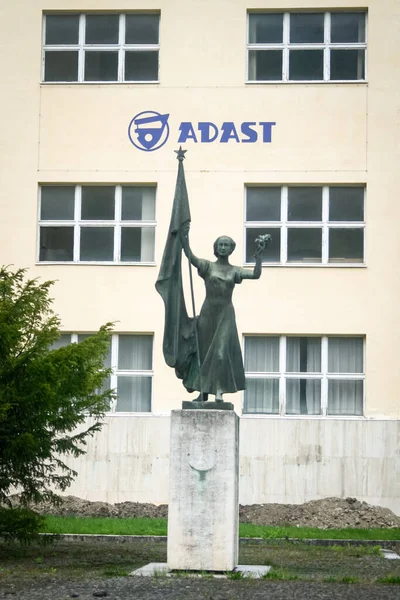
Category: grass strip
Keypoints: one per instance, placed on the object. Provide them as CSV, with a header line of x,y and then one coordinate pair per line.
x,y
118,526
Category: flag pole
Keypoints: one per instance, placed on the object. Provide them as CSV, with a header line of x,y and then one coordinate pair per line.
x,y
196,333
181,156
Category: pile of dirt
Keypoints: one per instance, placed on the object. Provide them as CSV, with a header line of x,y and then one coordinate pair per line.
x,y
329,513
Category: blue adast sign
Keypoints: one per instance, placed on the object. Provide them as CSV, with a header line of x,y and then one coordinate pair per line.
x,y
150,130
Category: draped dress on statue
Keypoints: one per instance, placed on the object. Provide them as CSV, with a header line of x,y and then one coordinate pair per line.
x,y
220,353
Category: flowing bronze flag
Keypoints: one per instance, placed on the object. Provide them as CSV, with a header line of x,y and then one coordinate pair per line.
x,y
179,343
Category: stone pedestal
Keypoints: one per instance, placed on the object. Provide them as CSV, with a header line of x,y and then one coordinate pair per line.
x,y
203,514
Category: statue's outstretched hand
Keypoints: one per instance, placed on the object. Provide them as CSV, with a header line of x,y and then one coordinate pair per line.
x,y
261,244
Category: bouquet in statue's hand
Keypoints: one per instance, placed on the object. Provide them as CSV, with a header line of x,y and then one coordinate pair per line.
x,y
261,243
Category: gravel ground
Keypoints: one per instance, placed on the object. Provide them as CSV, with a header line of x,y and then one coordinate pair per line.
x,y
89,570
184,589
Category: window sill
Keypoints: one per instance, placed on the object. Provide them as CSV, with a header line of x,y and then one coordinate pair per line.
x,y
311,265
97,264
304,417
80,83
307,82
130,414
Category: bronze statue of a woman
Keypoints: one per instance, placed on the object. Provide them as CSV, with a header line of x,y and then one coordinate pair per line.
x,y
205,350
221,363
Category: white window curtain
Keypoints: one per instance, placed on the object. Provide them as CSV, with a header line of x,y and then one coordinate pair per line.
x,y
262,394
262,354
345,396
345,355
303,396
134,390
148,214
135,352
147,244
134,394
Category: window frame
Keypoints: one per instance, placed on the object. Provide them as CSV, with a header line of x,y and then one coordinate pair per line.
x,y
325,225
324,376
116,372
77,223
81,48
326,46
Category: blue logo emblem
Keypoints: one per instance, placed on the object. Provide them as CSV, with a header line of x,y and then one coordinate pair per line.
x,y
149,130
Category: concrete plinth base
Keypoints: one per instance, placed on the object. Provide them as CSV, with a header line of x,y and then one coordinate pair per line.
x,y
203,513
161,569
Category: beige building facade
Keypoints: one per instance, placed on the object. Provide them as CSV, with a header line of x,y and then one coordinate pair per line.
x,y
289,112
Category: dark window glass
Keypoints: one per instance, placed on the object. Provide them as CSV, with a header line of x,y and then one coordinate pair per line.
x,y
261,396
263,204
265,65
141,66
62,29
347,27
61,65
137,244
56,243
134,394
306,65
102,29
131,244
307,28
138,203
142,29
101,66
57,203
346,203
346,245
305,204
303,396
266,28
272,253
97,243
98,203
345,397
347,64
304,244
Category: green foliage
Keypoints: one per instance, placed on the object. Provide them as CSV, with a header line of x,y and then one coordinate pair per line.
x,y
350,579
389,579
104,525
45,395
234,575
280,574
291,532
20,523
151,526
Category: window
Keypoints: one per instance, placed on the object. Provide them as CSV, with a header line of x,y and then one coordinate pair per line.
x,y
100,47
131,358
290,375
306,46
97,223
308,225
